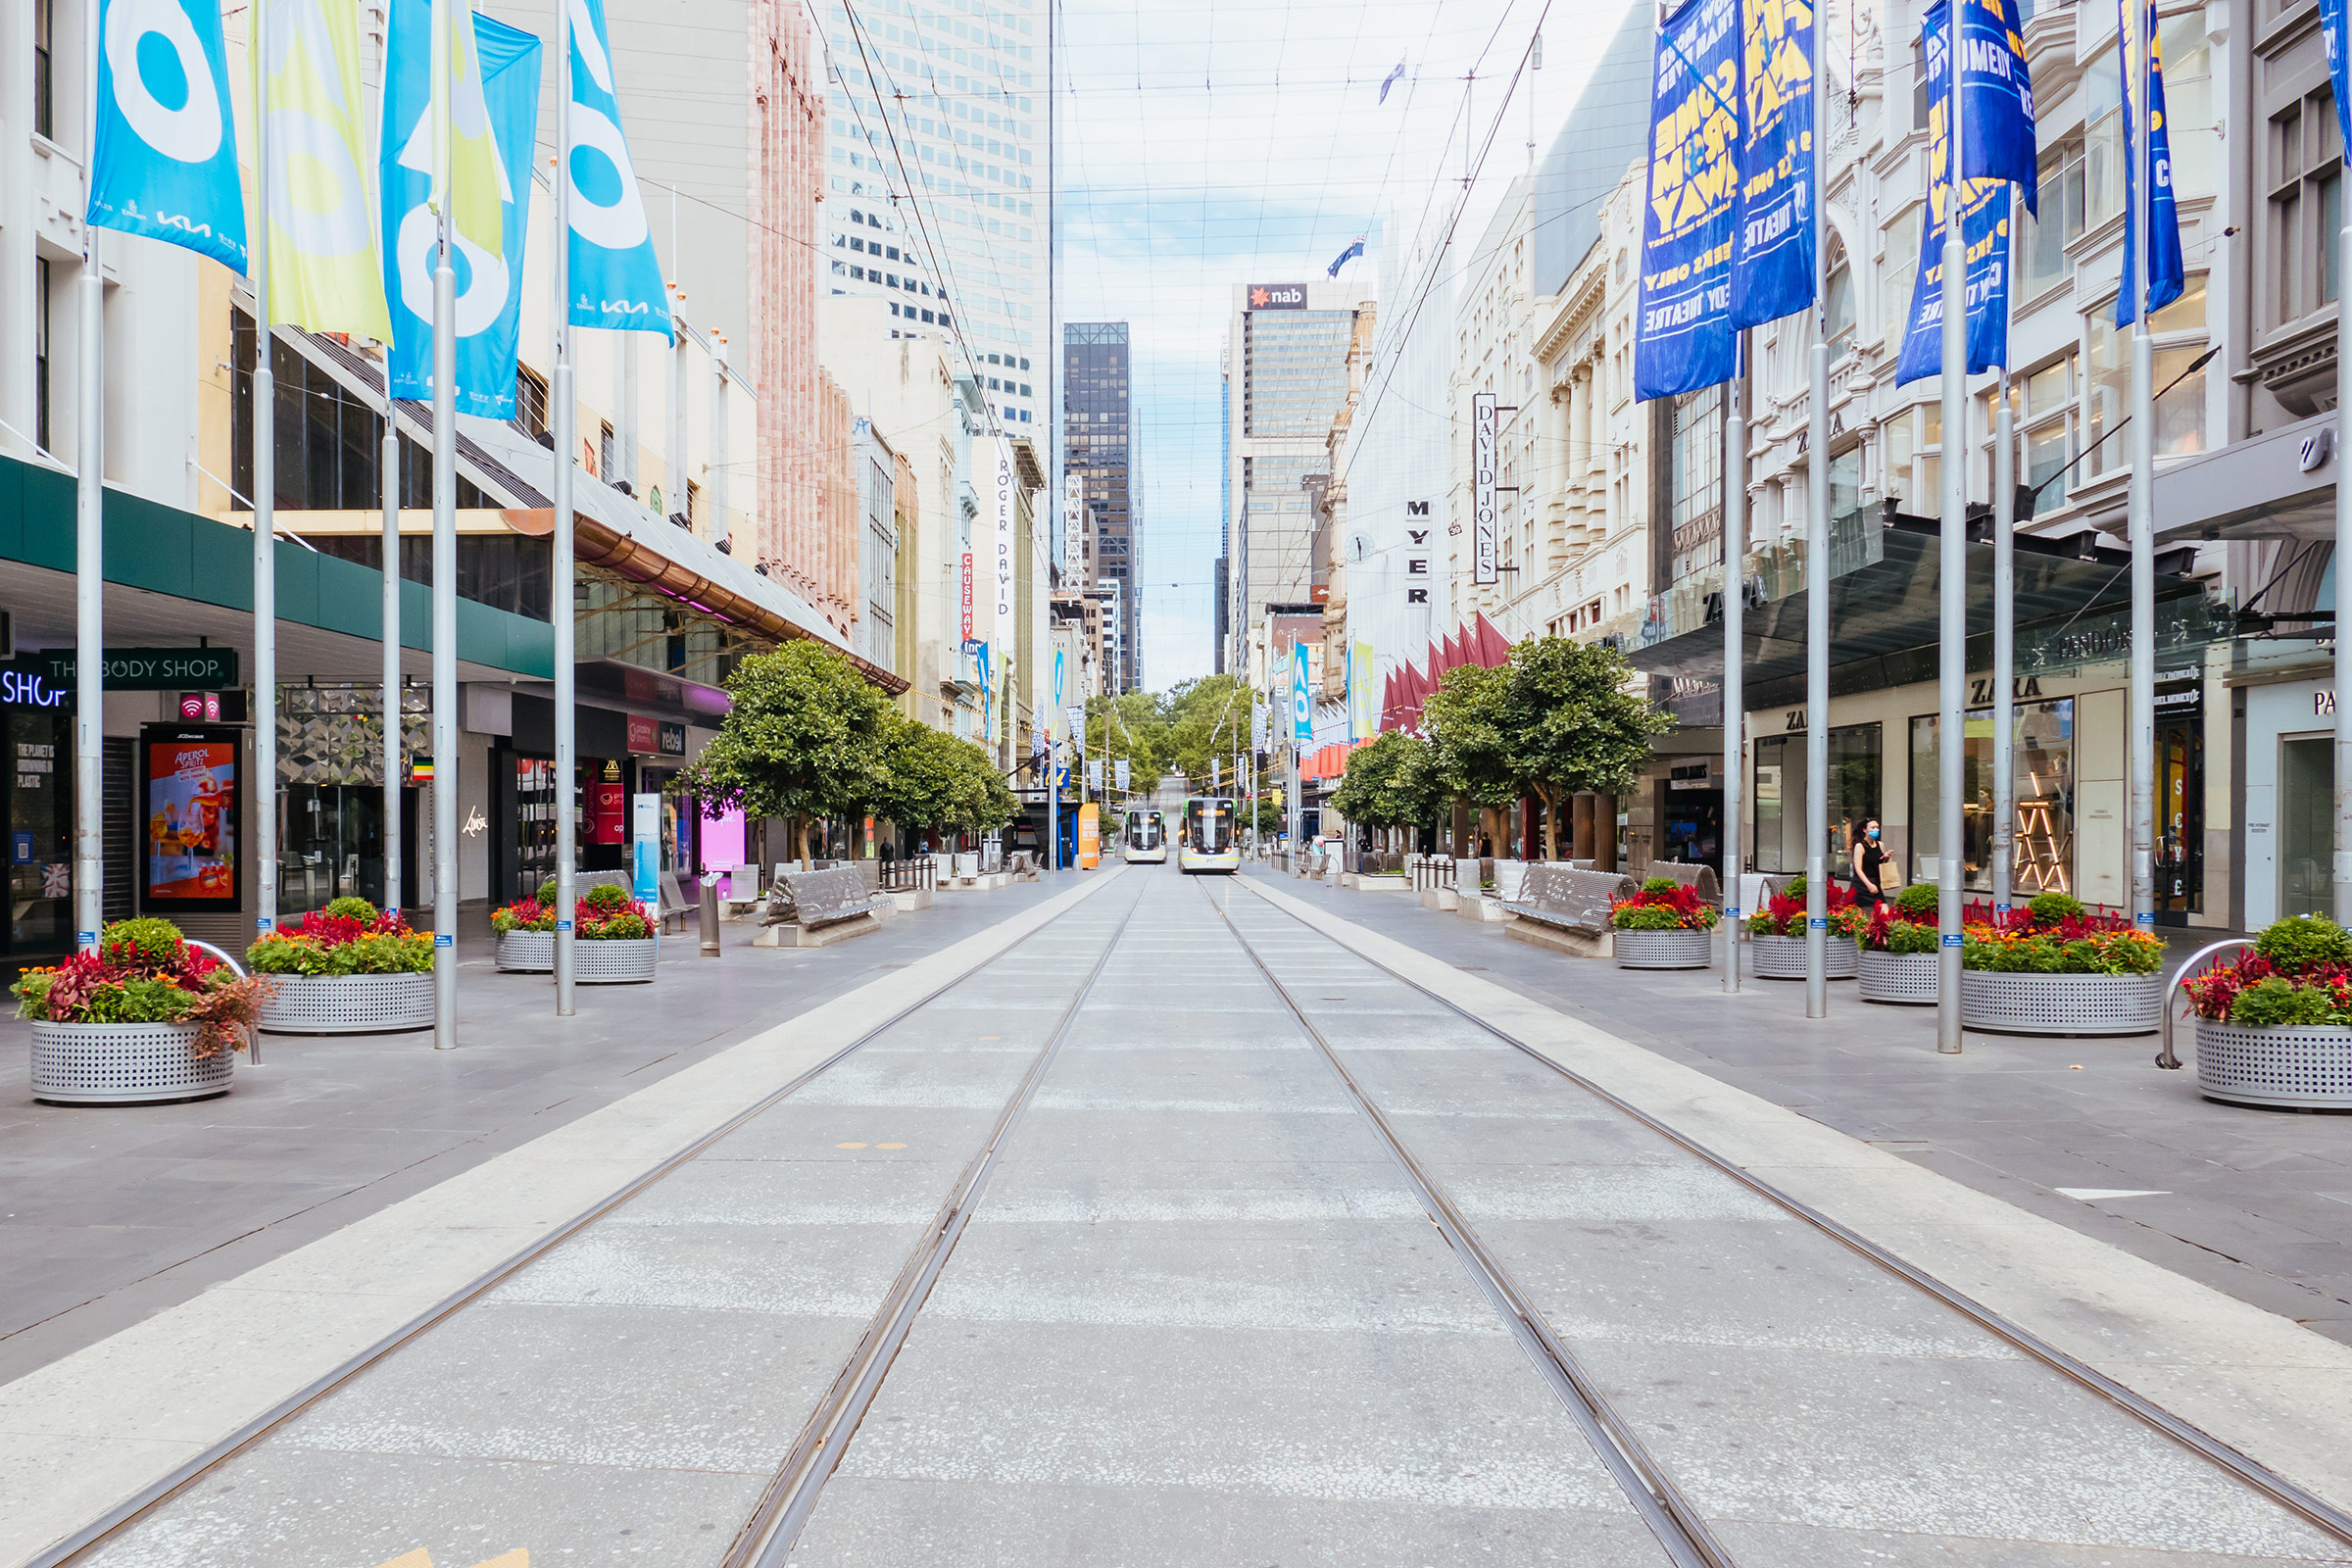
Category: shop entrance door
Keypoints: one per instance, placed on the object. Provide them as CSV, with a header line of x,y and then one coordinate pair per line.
x,y
1694,826
2179,819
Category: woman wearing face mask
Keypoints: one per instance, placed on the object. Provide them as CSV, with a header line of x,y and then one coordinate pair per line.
x,y
1870,866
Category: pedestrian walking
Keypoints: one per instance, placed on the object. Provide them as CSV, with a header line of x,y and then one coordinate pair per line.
x,y
1870,866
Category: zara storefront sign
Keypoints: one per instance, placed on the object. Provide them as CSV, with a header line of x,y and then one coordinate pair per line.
x,y
152,669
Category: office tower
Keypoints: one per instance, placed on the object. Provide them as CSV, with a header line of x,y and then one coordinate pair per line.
x,y
1099,453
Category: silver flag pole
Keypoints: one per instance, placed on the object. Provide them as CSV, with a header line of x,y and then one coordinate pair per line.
x,y
566,411
445,561
89,537
2141,516
1735,614
388,472
1952,563
1817,586
264,511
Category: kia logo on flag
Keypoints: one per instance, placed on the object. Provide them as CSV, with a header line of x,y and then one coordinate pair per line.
x,y
1278,296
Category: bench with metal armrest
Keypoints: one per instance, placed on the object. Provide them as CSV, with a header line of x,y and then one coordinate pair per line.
x,y
1567,908
811,909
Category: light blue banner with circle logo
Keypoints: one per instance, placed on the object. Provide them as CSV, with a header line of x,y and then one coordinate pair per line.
x,y
167,156
489,287
615,277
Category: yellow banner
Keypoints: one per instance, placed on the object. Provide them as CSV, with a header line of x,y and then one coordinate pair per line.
x,y
325,275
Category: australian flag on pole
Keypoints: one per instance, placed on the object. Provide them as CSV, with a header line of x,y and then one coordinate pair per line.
x,y
1349,254
1391,80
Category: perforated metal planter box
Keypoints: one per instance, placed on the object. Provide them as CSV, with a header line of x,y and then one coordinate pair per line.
x,y
611,962
2061,1003
349,1003
1664,949
527,951
1904,977
2300,1067
125,1064
1783,957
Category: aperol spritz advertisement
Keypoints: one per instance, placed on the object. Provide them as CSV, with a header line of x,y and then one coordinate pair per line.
x,y
193,818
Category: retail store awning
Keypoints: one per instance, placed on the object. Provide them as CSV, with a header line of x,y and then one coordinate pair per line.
x,y
2276,485
2071,610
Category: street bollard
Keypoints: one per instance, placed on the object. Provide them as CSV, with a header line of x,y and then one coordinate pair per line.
x,y
710,911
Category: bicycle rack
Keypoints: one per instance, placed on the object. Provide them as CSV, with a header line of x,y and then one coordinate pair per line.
x,y
2166,1057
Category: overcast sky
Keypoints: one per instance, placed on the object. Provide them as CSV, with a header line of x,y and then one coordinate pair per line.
x,y
1205,145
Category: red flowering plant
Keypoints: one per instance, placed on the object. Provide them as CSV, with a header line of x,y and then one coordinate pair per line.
x,y
2056,934
144,971
350,936
1783,914
1906,925
603,913
2300,972
1664,904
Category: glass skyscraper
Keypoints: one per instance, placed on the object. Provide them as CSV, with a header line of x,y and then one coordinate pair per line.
x,y
937,185
1099,451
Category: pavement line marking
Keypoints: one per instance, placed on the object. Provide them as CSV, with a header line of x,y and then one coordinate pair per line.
x,y
2100,1195
2277,1392
849,1145
890,1145
159,1394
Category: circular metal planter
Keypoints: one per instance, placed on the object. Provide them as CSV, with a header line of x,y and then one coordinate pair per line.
x,y
349,1003
527,951
1783,957
2061,1003
610,962
1664,949
2298,1067
1908,978
125,1064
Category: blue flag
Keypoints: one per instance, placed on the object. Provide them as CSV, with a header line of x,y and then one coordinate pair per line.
x,y
1772,275
1349,254
615,277
489,308
167,155
1391,80
1683,338
1997,115
1985,206
2165,276
2340,64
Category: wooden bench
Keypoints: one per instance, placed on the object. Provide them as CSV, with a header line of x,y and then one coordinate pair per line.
x,y
1567,909
814,908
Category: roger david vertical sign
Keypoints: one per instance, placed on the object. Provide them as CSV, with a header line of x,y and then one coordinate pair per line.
x,y
1482,469
1682,335
1000,545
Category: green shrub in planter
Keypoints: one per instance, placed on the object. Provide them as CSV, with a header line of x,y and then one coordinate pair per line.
x,y
2304,942
2276,1002
1919,901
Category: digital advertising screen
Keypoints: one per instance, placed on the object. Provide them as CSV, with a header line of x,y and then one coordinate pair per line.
x,y
193,798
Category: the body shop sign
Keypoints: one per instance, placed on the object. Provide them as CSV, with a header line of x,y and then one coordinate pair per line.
x,y
153,669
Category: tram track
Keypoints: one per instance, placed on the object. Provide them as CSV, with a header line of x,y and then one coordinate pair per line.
x,y
767,1536
1650,1486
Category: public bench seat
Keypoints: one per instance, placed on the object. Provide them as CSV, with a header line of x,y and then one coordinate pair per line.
x,y
1572,903
1699,878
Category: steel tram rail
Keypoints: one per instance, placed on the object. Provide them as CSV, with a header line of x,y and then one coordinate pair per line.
x,y
98,1532
768,1538
1670,1517
2307,1505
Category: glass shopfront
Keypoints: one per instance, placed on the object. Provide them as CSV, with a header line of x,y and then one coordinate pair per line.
x,y
2306,825
330,846
40,819
527,784
1856,763
2043,772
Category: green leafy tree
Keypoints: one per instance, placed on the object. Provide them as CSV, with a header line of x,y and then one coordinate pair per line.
x,y
1389,783
1208,717
809,738
1469,733
1571,722
1134,726
937,780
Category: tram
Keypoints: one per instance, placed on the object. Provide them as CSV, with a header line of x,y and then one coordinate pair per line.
x,y
1206,842
1147,837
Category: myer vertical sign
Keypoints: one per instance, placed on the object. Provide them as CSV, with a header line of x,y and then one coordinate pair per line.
x,y
1482,469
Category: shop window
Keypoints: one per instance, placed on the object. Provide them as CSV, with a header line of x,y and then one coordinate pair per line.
x,y
2046,419
2305,825
1856,774
1841,312
1898,272
44,62
40,812
530,402
2044,263
40,356
2304,174
2043,764
2178,336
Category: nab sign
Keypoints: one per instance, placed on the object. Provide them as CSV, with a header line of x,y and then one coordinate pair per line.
x,y
1278,296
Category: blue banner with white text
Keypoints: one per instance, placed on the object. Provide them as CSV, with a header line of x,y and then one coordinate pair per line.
x,y
2340,63
1997,122
1984,228
1682,336
615,277
166,158
1772,272
489,286
2164,274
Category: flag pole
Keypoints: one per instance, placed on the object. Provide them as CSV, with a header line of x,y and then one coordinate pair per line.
x,y
2004,611
1734,613
2343,583
2142,494
568,827
264,793
445,558
1951,651
1816,583
388,473
89,538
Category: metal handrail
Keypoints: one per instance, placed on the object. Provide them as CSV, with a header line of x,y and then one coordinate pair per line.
x,y
2166,1057
253,1037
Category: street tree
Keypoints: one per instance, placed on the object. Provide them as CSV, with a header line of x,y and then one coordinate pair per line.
x,y
1208,717
1468,736
1389,783
808,738
1573,722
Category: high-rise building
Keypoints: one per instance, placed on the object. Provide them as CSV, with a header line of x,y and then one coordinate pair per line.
x,y
1286,375
1098,453
937,194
